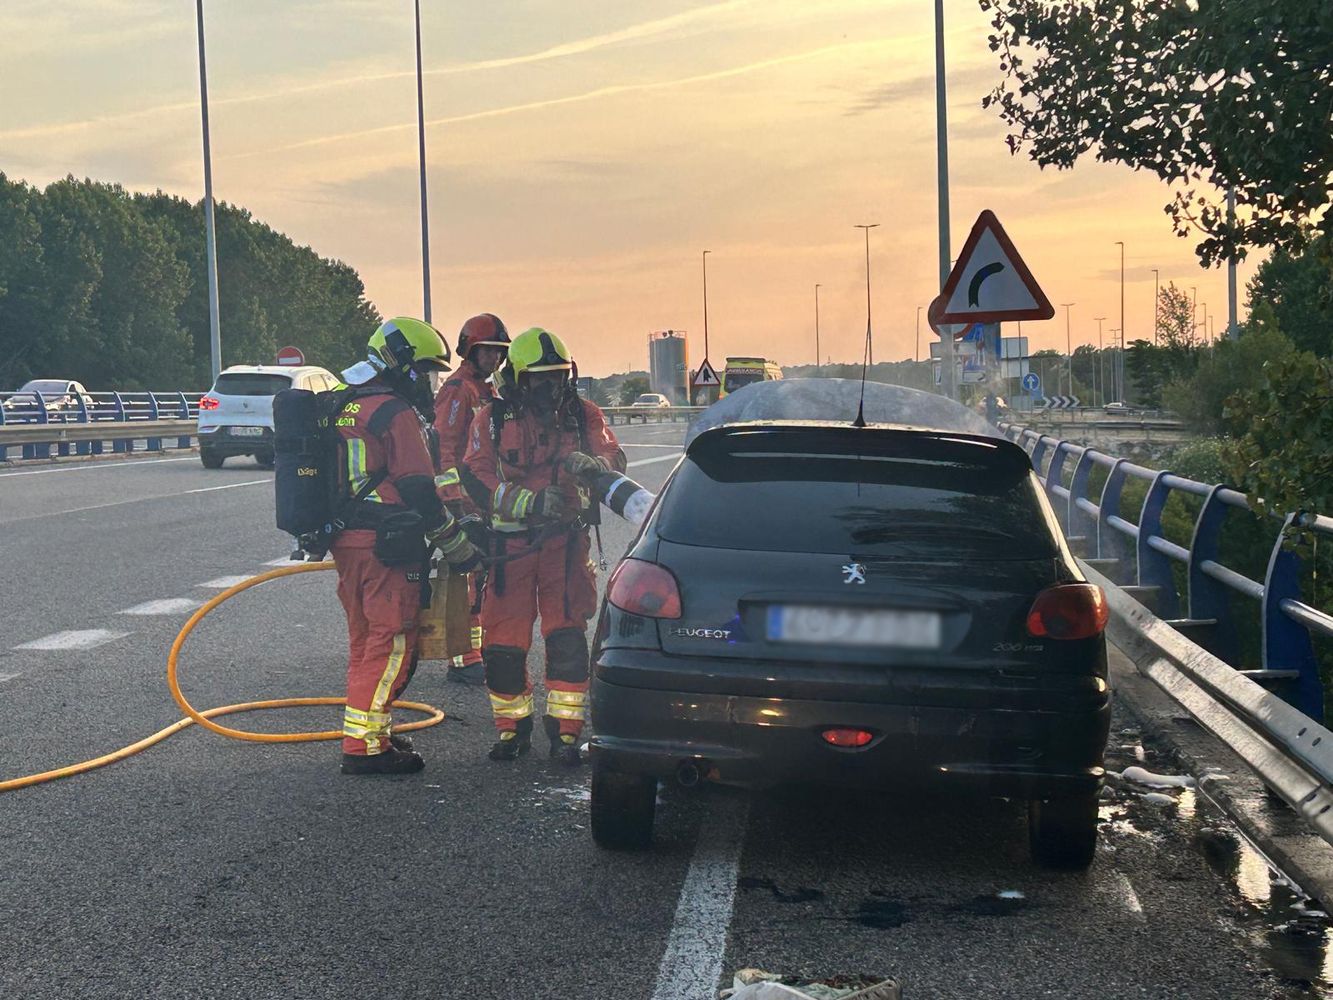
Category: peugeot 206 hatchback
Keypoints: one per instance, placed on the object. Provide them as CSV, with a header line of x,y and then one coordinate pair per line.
x,y
856,606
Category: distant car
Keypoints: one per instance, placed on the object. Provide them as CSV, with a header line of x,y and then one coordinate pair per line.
x,y
650,401
812,602
236,415
56,395
1118,407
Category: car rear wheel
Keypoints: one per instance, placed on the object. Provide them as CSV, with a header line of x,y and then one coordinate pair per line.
x,y
623,807
1062,833
211,459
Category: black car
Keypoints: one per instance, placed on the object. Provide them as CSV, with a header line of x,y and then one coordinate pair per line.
x,y
857,606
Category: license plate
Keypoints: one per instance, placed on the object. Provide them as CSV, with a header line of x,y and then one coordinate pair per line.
x,y
814,624
247,432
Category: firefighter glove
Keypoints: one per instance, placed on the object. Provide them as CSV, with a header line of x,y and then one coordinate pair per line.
x,y
551,504
583,465
465,559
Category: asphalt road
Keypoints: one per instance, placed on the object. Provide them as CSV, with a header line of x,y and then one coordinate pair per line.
x,y
213,868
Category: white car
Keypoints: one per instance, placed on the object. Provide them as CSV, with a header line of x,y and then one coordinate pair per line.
x,y
651,401
56,394
236,415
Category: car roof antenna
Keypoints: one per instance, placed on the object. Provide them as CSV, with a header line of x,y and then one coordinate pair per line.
x,y
860,420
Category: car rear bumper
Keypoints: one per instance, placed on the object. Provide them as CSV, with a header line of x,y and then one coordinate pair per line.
x,y
1050,752
222,441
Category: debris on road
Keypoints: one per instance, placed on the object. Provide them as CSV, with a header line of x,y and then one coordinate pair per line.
x,y
1142,776
756,984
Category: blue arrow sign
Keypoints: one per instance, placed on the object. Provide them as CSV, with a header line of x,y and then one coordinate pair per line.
x,y
1032,382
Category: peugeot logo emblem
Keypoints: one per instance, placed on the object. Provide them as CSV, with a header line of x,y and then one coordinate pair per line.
x,y
854,573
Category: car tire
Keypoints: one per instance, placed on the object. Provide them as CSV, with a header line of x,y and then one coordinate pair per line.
x,y
211,459
1062,833
623,808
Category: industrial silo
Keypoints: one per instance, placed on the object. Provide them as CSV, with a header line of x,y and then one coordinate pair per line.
x,y
668,366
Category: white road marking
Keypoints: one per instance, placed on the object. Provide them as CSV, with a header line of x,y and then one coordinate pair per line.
x,y
284,561
8,677
652,461
165,606
79,639
121,503
629,444
1130,898
692,963
223,582
228,486
98,466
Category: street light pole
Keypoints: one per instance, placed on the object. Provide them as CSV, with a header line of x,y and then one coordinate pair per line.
x,y
870,344
1156,302
916,352
1069,349
817,355
1120,381
705,260
942,166
1194,311
421,156
1101,371
210,230
1233,325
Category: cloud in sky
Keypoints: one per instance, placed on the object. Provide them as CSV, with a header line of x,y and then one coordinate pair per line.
x,y
582,154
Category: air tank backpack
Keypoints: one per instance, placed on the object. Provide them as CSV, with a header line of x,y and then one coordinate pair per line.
x,y
307,496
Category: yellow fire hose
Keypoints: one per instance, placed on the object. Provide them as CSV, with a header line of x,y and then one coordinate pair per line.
x,y
434,716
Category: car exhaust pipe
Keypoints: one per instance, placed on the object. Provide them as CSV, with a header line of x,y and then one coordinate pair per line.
x,y
689,773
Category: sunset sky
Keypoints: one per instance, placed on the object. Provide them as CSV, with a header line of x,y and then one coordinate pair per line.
x,y
582,154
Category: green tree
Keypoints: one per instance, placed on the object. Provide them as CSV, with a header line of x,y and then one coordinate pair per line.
x,y
1231,366
1298,289
1284,460
1204,95
631,389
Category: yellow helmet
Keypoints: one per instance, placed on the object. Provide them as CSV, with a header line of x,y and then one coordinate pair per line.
x,y
402,342
537,350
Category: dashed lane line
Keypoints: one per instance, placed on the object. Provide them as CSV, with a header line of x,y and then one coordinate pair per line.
x,y
654,460
9,677
228,486
97,466
165,606
223,582
78,639
692,963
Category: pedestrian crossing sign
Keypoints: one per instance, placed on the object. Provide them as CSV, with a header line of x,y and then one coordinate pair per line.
x,y
706,377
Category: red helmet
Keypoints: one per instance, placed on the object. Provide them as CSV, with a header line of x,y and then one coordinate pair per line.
x,y
485,328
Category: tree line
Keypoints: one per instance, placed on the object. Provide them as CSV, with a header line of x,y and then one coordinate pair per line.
x,y
110,288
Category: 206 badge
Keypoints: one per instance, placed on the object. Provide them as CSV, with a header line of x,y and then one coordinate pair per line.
x,y
854,573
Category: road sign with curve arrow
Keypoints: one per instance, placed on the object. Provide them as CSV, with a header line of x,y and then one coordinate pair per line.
x,y
989,283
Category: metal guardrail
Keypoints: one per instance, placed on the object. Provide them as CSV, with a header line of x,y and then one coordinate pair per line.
x,y
87,422
657,415
1137,554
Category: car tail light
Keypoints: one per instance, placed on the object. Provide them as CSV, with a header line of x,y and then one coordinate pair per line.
x,y
847,738
209,403
644,588
1069,611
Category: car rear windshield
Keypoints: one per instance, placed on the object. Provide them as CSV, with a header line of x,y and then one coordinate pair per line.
x,y
251,384
648,399
47,387
870,494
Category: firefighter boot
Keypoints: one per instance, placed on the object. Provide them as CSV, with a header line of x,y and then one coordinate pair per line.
x,y
564,746
392,761
513,743
403,743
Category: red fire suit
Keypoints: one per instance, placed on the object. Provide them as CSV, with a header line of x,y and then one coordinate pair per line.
x,y
382,437
457,402
544,568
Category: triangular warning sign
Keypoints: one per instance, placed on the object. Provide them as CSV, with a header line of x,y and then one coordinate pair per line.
x,y
990,283
705,376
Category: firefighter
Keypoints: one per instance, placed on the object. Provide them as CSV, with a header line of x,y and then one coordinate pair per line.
x,y
531,453
390,515
482,343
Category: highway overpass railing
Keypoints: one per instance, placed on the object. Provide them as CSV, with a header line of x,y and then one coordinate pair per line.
x,y
1129,547
1171,612
650,414
38,426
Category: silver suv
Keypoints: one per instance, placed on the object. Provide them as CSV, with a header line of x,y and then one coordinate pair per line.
x,y
236,415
